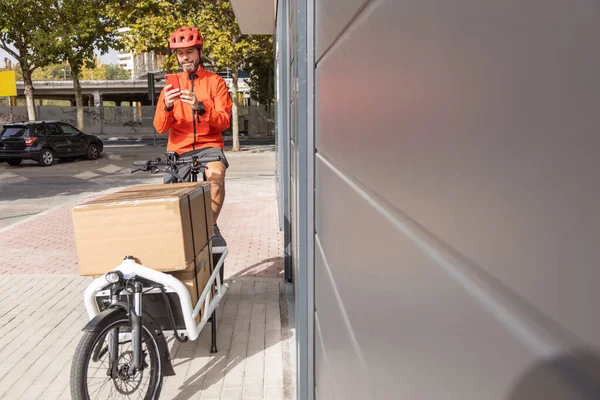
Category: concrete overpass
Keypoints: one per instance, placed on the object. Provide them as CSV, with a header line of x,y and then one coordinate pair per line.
x,y
95,92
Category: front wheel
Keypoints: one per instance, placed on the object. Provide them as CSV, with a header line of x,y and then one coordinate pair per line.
x,y
94,376
93,152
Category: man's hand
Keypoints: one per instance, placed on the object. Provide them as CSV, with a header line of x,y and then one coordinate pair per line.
x,y
171,95
188,97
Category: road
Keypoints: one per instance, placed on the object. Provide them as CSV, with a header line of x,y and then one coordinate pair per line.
x,y
29,189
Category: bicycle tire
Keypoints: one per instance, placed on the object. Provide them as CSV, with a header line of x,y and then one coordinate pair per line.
x,y
85,349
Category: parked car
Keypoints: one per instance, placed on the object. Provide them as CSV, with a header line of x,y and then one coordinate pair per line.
x,y
44,141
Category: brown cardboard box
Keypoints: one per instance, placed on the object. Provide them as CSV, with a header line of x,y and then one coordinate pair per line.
x,y
161,226
196,287
195,203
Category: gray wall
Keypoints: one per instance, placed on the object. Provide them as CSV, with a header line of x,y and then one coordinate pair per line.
x,y
456,199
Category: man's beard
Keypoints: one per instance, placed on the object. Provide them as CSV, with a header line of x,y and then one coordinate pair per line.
x,y
190,68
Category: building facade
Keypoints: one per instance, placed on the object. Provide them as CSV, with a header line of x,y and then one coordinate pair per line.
x,y
437,177
139,64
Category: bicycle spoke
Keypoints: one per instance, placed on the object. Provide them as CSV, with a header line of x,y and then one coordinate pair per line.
x,y
122,386
100,388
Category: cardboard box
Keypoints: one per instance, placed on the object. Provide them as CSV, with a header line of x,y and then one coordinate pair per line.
x,y
196,284
161,226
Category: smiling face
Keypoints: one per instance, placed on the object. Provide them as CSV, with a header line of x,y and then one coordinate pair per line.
x,y
189,58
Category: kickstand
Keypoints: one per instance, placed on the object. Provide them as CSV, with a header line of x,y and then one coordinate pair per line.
x,y
213,332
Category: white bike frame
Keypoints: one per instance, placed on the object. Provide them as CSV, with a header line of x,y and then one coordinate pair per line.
x,y
130,268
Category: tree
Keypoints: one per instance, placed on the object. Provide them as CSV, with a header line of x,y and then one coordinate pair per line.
x,y
116,72
228,48
52,72
84,26
93,72
58,72
24,27
150,23
224,46
261,80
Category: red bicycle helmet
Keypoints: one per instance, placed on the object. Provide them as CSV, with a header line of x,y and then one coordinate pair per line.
x,y
185,37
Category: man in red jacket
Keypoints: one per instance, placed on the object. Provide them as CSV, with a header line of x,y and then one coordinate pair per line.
x,y
203,101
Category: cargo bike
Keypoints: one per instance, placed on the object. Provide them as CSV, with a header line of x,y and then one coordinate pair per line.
x,y
132,309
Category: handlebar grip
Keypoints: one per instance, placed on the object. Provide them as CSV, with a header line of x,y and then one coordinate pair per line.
x,y
140,163
203,160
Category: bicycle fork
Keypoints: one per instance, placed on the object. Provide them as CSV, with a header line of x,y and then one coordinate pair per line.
x,y
113,341
135,318
136,329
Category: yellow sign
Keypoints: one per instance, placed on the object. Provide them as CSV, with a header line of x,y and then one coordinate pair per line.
x,y
8,83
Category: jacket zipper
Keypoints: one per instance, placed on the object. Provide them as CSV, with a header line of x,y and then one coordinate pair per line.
x,y
193,121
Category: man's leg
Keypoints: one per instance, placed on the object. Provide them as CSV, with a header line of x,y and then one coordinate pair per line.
x,y
215,175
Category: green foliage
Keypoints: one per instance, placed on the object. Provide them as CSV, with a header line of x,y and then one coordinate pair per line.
x,y
116,72
84,26
224,44
261,78
221,34
97,72
53,72
24,27
62,71
151,23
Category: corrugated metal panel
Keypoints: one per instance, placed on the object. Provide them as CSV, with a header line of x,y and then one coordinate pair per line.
x,y
458,146
331,17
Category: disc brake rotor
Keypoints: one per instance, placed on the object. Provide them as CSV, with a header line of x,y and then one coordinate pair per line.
x,y
124,383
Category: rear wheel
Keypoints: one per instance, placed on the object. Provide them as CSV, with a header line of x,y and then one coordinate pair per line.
x,y
93,152
92,377
46,157
14,161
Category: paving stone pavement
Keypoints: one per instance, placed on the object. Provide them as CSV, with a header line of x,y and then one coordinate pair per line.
x,y
41,309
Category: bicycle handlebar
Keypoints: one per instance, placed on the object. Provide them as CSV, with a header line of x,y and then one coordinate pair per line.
x,y
182,161
152,165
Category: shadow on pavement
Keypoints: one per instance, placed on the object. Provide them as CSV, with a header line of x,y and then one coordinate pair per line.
x,y
274,269
225,361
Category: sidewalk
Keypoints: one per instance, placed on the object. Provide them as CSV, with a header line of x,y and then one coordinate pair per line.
x,y
41,310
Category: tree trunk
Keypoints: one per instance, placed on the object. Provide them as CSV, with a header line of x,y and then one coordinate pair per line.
x,y
235,129
29,93
78,95
269,117
270,96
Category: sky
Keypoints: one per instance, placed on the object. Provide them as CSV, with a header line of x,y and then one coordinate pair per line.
x,y
108,58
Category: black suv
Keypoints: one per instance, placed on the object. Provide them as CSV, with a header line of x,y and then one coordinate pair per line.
x,y
43,141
